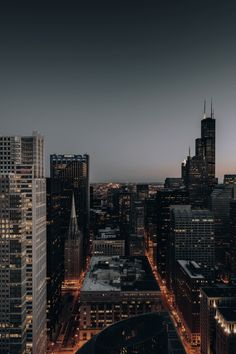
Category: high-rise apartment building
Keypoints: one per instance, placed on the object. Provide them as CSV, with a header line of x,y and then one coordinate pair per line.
x,y
191,238
23,234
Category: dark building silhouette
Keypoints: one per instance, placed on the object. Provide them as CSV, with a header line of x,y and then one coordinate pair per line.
x,y
188,282
142,191
73,172
149,333
220,206
230,179
174,183
164,200
198,172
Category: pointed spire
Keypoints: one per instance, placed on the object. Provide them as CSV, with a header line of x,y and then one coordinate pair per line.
x,y
73,212
73,230
212,111
204,109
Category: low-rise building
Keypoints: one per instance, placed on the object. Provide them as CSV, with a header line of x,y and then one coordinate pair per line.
x,y
108,242
116,288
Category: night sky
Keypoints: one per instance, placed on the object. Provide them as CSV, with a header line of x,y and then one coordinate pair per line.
x,y
121,80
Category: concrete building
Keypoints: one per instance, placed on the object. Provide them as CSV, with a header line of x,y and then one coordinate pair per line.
x,y
108,242
116,288
225,330
210,299
22,179
188,282
192,238
149,333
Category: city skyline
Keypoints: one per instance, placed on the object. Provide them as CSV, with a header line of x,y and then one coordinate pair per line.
x,y
121,82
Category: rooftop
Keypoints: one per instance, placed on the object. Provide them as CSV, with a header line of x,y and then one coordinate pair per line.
x,y
135,330
229,313
119,274
220,291
192,269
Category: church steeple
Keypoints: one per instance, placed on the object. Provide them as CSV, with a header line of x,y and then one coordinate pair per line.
x,y
73,226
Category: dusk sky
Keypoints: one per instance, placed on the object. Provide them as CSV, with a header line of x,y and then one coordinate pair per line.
x,y
123,81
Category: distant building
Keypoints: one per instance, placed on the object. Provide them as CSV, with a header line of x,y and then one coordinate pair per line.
x,y
108,242
136,245
174,183
188,282
142,191
230,179
210,299
150,225
198,171
149,333
116,288
138,217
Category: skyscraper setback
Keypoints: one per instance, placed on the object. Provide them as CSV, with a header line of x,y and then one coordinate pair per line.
x,y
23,245
198,172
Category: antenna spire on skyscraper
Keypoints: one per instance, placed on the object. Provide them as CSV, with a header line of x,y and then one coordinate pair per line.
x,y
212,111
204,109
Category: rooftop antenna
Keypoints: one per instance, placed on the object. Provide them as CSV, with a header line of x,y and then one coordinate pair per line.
x,y
212,111
204,110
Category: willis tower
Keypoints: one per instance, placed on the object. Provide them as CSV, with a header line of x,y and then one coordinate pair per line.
x,y
198,171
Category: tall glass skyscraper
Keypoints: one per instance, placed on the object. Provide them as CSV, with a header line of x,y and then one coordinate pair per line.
x,y
22,245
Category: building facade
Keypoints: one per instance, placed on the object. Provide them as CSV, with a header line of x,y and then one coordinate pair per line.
x,y
191,238
116,288
22,160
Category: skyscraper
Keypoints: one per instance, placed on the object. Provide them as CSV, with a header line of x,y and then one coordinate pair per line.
x,y
198,171
73,172
192,239
164,200
23,233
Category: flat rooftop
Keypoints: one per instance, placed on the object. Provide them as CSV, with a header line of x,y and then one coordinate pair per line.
x,y
116,273
220,291
229,313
